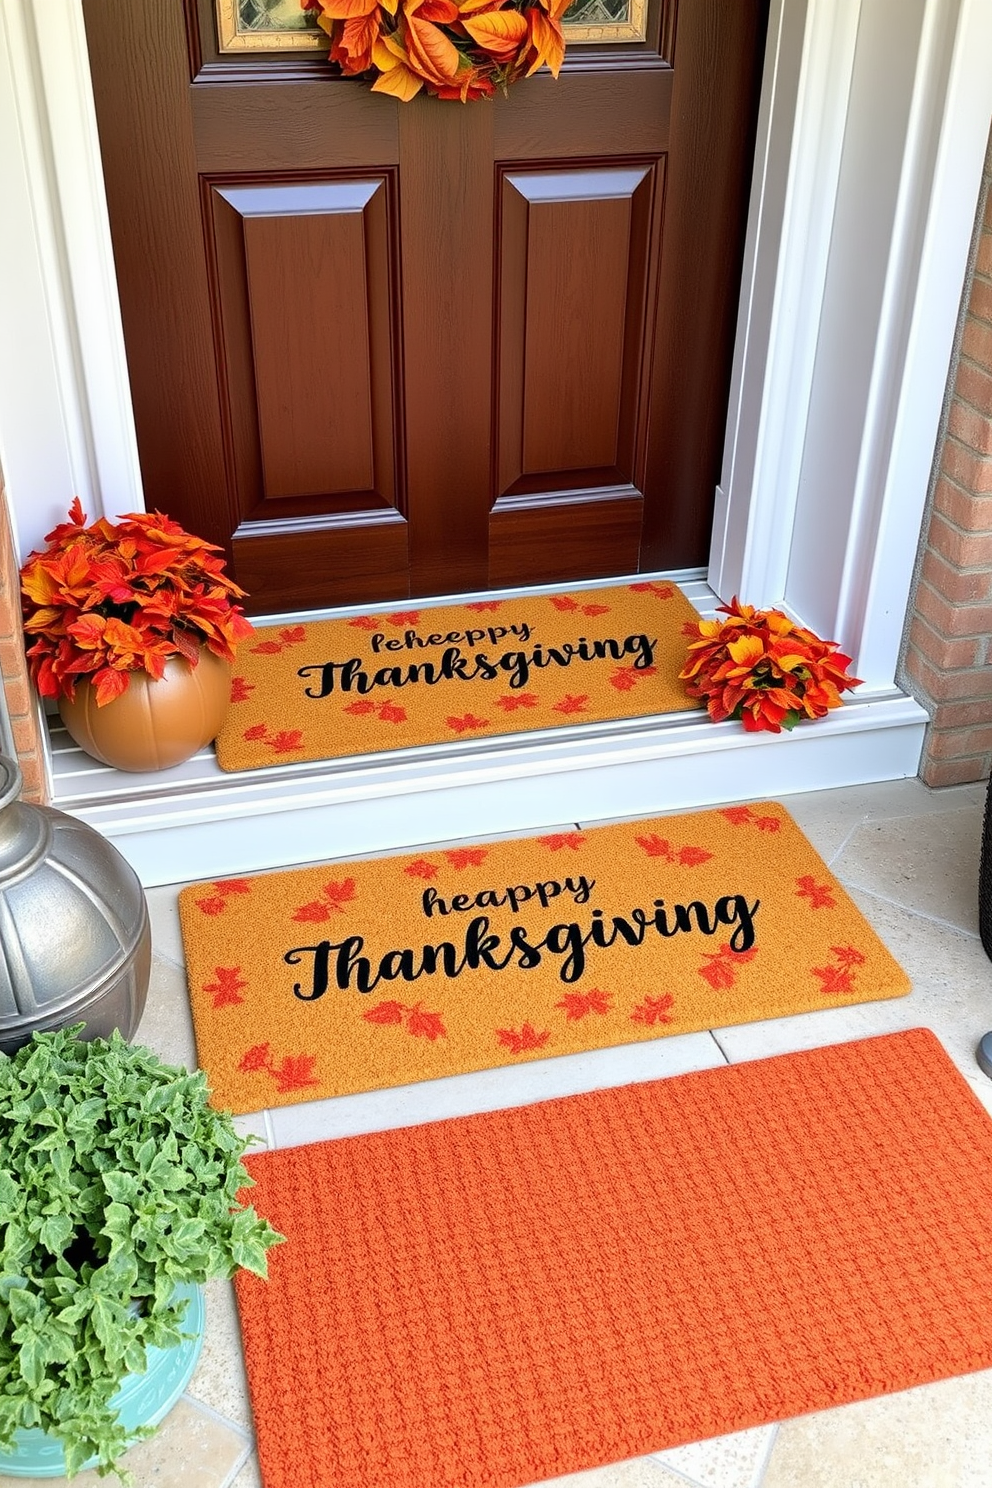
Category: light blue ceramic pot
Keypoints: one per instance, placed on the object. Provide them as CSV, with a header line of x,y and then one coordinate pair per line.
x,y
142,1400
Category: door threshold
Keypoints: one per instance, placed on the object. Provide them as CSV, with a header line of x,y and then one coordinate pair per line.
x,y
196,821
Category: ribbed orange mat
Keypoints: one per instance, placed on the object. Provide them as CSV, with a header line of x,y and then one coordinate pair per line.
x,y
327,981
503,1298
427,675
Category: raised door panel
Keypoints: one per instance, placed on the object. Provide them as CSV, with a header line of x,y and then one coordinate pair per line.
x,y
306,313
576,308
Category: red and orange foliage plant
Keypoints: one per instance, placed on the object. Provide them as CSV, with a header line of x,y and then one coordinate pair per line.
x,y
119,597
760,667
457,49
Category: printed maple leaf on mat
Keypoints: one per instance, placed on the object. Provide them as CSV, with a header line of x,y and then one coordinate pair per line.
x,y
366,622
227,989
820,896
386,712
838,979
466,723
566,603
241,689
661,591
743,816
414,1019
660,847
294,1072
466,857
215,904
624,678
485,604
510,702
519,1041
720,968
292,635
654,1010
557,840
422,869
577,1004
336,896
573,703
283,741
404,617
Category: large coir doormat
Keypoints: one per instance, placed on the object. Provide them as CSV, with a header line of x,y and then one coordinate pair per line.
x,y
410,676
503,1298
326,981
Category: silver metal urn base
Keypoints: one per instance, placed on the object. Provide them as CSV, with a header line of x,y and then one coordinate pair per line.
x,y
75,940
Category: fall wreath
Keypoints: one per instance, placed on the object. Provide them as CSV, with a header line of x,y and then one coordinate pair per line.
x,y
454,48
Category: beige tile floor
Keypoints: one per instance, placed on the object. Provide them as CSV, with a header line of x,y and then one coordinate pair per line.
x,y
910,857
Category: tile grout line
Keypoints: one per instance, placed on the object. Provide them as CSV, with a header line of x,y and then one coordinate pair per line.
x,y
765,1462
676,1472
839,851
201,1405
919,914
242,1462
723,1052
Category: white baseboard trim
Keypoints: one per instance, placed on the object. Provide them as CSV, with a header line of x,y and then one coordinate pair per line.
x,y
217,826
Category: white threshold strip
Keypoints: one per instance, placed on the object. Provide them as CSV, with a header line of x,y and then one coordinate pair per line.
x,y
196,821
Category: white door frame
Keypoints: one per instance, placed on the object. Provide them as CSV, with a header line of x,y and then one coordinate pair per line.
x,y
873,127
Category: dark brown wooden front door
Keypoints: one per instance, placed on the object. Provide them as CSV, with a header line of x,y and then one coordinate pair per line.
x,y
381,349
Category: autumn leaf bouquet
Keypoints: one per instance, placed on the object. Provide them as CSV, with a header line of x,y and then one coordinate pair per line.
x,y
458,49
758,666
112,598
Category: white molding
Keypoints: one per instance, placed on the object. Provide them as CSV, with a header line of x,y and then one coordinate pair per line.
x,y
34,438
822,492
801,127
949,139
845,428
508,786
66,425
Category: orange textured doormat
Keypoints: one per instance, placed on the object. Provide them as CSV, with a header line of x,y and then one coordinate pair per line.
x,y
326,981
432,675
493,1300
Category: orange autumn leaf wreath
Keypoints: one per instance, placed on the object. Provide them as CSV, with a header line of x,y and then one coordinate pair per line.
x,y
760,667
112,598
454,48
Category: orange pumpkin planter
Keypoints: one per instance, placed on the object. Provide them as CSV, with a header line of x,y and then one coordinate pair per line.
x,y
155,723
132,627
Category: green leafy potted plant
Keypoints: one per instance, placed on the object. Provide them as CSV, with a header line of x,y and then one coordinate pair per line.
x,y
118,1199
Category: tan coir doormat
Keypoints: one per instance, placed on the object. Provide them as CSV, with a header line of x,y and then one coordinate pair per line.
x,y
327,981
410,676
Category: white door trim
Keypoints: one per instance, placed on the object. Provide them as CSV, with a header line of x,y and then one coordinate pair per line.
x,y
858,242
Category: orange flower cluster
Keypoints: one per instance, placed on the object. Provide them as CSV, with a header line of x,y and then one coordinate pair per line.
x,y
761,668
454,48
120,597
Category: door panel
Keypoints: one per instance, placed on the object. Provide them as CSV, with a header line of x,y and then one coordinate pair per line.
x,y
305,288
565,537
343,559
575,246
380,349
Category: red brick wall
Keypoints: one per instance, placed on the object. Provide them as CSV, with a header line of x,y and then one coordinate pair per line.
x,y
947,657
